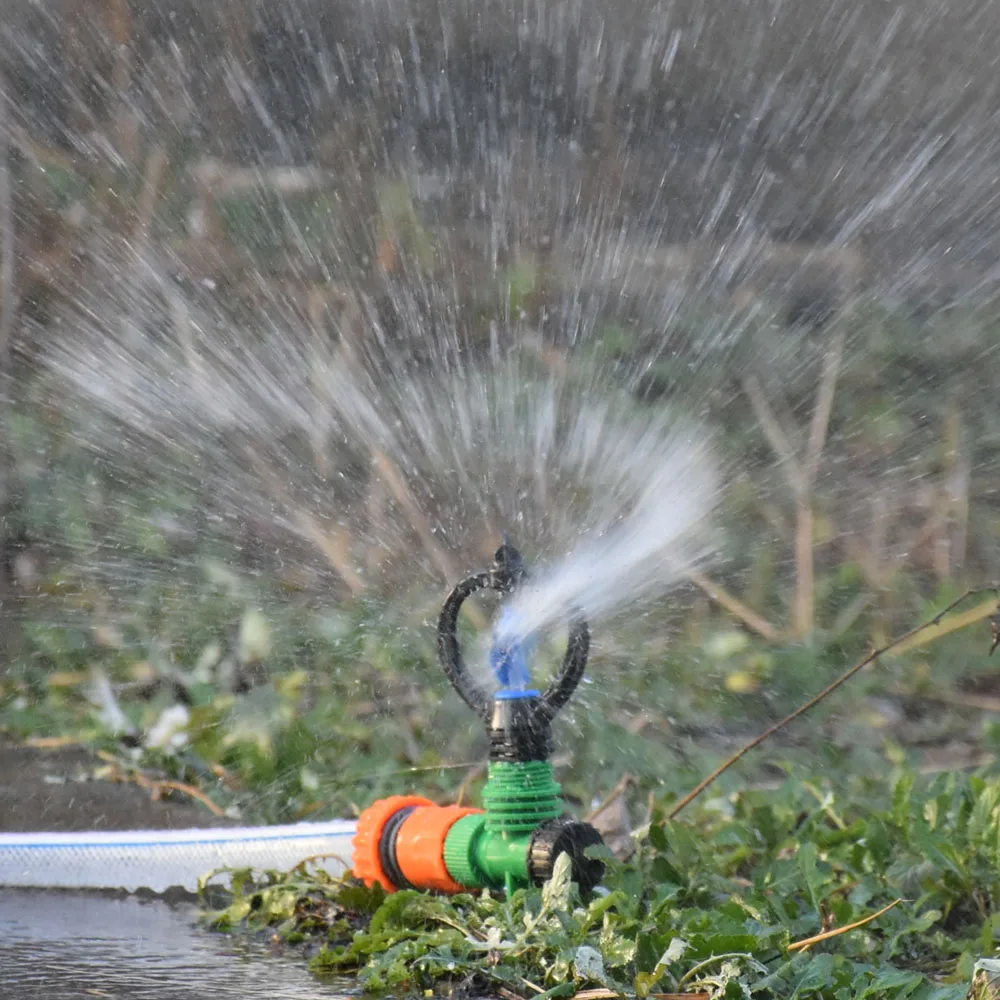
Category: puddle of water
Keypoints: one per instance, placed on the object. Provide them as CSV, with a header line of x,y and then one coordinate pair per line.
x,y
87,946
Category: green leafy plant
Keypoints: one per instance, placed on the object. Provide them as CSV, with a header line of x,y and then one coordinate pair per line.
x,y
727,902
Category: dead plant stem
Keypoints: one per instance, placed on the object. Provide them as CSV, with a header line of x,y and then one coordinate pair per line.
x,y
333,544
801,476
828,690
754,621
8,308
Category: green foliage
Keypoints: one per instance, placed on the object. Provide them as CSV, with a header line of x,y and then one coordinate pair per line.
x,y
711,903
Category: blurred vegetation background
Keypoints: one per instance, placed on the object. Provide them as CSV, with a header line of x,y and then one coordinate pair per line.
x,y
175,165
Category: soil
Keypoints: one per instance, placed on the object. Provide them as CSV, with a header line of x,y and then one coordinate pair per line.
x,y
55,790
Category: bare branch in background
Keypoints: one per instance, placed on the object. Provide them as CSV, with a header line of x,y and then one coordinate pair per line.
x,y
333,543
8,309
156,167
8,291
804,614
394,479
924,633
118,19
319,433
824,407
755,622
775,434
800,474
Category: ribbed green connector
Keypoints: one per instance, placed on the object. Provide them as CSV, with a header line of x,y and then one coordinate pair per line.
x,y
460,847
520,797
490,850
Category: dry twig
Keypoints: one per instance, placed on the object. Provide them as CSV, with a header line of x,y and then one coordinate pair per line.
x,y
8,307
754,621
828,690
394,479
808,942
334,544
801,472
157,786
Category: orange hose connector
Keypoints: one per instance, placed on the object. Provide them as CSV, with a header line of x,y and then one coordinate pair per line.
x,y
420,847
417,848
367,864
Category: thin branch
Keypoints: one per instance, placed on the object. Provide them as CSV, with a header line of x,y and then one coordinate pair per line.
x,y
624,784
157,786
333,545
879,574
979,702
849,615
507,994
776,520
804,610
319,432
400,489
603,993
805,566
806,943
775,435
313,858
801,475
755,622
474,775
691,973
824,407
8,309
152,179
8,291
828,690
390,473
929,635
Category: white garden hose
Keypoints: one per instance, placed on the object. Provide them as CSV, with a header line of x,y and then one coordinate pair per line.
x,y
158,860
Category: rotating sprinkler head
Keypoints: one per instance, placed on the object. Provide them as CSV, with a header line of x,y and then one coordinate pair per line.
x,y
409,842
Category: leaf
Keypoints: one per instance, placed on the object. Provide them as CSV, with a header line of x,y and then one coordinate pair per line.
x,y
562,990
556,892
664,872
702,946
588,964
817,973
982,821
901,796
902,982
806,857
644,982
658,837
675,951
600,906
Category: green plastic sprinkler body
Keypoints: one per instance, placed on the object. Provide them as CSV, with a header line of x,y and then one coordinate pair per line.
x,y
515,839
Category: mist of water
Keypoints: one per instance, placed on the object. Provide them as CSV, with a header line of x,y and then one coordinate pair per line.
x,y
638,163
614,498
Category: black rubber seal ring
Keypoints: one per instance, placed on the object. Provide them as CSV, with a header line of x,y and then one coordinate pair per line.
x,y
387,848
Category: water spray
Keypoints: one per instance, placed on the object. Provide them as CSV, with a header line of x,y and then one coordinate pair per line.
x,y
407,842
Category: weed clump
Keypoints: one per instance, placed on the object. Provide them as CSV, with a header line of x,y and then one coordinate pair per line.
x,y
763,893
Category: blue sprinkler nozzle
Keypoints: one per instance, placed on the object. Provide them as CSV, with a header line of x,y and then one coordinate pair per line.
x,y
509,657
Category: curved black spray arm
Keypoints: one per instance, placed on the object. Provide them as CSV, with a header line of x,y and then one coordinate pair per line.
x,y
504,576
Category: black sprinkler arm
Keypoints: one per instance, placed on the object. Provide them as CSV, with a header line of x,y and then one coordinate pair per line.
x,y
504,576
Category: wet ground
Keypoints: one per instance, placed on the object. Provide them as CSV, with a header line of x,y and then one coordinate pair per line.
x,y
89,945
56,790
84,946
